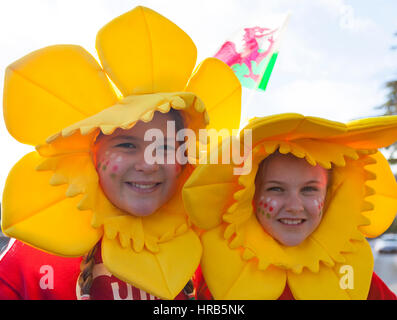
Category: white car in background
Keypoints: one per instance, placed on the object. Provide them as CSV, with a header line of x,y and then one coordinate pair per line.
x,y
386,243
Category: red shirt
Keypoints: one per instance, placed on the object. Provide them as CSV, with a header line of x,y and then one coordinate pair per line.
x,y
377,291
27,273
30,274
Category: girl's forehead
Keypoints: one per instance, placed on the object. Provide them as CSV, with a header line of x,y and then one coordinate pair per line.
x,y
289,167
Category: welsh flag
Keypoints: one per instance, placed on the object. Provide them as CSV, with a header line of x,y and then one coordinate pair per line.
x,y
252,52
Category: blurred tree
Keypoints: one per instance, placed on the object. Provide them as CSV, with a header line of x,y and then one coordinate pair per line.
x,y
390,108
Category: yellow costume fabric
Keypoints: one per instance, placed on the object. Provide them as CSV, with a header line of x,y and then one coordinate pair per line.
x,y
52,199
241,261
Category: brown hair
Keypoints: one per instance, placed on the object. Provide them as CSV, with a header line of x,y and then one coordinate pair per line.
x,y
86,277
178,118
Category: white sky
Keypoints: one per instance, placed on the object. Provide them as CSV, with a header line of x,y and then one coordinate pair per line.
x,y
334,58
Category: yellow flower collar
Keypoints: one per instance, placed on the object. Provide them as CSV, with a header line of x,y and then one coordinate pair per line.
x,y
361,201
62,92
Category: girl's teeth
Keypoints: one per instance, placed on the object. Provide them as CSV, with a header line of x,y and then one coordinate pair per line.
x,y
291,221
143,186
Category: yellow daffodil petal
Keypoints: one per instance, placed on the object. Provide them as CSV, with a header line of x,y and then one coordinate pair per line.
x,y
164,273
345,204
348,281
371,133
51,221
355,273
292,126
218,182
323,285
143,52
228,276
217,85
384,199
52,88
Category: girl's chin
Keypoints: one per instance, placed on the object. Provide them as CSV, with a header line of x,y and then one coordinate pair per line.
x,y
141,211
290,242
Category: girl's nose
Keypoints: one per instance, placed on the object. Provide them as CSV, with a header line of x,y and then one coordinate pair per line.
x,y
294,203
146,166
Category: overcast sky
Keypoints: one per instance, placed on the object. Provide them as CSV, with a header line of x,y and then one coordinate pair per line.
x,y
334,58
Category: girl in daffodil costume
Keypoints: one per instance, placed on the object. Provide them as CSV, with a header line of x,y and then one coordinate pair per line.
x,y
294,225
87,186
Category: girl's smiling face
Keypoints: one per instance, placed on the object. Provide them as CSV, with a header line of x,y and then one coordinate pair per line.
x,y
289,197
131,183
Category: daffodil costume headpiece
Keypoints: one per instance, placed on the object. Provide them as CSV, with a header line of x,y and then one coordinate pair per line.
x,y
52,199
241,261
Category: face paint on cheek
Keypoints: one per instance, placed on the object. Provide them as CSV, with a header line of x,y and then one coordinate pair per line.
x,y
105,165
113,176
319,204
272,205
266,207
259,206
114,170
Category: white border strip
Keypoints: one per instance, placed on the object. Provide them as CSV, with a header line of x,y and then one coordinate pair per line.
x,y
9,245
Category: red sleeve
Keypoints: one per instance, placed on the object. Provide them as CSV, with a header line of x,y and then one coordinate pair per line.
x,y
379,290
10,286
30,274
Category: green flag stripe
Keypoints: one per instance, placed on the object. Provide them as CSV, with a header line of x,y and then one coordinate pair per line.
x,y
268,72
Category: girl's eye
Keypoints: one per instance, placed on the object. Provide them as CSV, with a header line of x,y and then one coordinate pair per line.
x,y
126,145
309,189
275,189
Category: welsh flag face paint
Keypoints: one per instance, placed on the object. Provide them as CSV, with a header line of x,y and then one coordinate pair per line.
x,y
252,52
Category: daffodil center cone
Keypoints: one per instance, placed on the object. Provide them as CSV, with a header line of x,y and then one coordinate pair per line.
x,y
361,202
69,100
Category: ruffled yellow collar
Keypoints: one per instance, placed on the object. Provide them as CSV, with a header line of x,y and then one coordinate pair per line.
x,y
258,267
